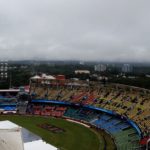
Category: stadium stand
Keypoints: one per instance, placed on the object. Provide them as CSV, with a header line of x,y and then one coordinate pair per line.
x,y
8,101
122,111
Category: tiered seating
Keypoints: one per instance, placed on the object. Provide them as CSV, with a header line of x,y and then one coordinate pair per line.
x,y
130,102
48,110
127,139
38,92
89,100
125,136
8,104
77,98
80,114
37,110
52,93
120,132
59,111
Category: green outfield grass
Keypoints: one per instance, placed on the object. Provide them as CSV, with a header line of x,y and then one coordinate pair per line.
x,y
75,137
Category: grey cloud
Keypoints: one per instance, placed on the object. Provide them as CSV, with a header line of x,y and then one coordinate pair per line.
x,y
75,29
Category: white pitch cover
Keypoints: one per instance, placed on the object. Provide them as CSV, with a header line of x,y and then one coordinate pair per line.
x,y
10,136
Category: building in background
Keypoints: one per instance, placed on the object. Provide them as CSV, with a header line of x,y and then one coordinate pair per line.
x,y
81,63
100,67
82,72
3,70
127,68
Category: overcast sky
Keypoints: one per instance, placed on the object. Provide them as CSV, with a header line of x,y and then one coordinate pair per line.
x,y
113,30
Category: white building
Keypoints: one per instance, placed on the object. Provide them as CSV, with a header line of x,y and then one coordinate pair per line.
x,y
100,67
82,72
126,68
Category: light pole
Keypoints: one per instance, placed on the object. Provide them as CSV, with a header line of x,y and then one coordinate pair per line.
x,y
10,80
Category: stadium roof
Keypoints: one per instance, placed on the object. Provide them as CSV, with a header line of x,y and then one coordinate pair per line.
x,y
9,90
35,77
15,137
49,77
44,76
